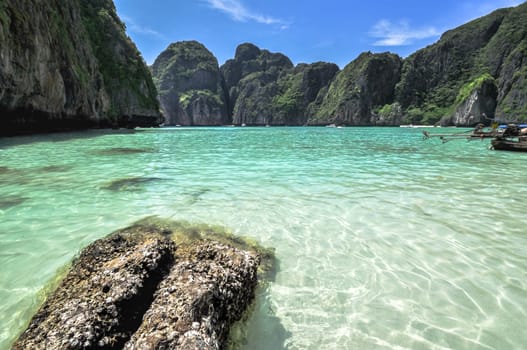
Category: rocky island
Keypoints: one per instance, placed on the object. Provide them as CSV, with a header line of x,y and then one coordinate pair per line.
x,y
474,70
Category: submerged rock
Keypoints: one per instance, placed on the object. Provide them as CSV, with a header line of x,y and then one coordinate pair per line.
x,y
130,183
154,285
11,201
120,151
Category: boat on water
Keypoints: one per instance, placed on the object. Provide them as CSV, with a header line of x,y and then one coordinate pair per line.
x,y
418,126
513,138
479,132
510,137
507,144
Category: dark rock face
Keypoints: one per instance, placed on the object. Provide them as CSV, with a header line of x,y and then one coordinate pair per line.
x,y
473,109
251,81
70,65
137,290
433,78
299,91
509,46
190,85
365,83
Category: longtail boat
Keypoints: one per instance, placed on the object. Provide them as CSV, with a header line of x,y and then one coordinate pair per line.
x,y
479,132
509,144
514,138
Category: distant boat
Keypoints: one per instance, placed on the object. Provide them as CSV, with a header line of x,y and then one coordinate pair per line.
x,y
418,126
479,132
331,126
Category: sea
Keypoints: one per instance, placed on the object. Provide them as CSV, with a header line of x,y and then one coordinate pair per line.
x,y
383,240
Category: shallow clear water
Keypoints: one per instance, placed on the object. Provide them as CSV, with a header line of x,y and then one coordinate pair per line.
x,y
384,241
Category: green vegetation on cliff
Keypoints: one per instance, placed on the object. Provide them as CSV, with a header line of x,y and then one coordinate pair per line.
x,y
191,89
69,65
251,81
265,88
126,76
440,77
469,87
366,84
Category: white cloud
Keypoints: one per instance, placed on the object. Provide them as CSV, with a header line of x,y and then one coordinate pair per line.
x,y
134,27
238,12
399,34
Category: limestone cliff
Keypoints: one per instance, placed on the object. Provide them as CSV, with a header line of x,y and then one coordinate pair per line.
x,y
299,91
191,88
368,82
251,80
494,46
475,102
69,65
478,69
265,88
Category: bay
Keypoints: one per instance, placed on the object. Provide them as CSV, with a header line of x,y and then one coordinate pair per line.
x,y
384,241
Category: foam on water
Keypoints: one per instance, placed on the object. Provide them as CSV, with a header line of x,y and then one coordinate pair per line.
x,y
384,241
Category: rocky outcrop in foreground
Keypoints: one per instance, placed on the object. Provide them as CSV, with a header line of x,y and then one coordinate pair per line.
x,y
154,285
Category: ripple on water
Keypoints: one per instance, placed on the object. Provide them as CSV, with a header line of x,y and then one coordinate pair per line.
x,y
384,242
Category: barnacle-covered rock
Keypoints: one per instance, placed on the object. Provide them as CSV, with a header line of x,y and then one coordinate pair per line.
x,y
101,301
154,285
208,288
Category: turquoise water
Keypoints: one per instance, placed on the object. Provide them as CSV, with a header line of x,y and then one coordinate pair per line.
x,y
384,241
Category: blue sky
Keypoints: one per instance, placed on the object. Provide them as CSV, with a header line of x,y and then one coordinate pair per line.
x,y
306,31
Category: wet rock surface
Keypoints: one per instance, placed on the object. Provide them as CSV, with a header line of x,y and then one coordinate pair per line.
x,y
148,286
207,289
